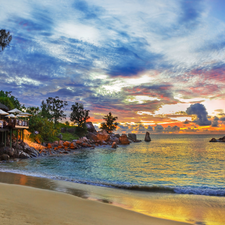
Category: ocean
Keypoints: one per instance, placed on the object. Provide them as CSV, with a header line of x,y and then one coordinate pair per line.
x,y
184,169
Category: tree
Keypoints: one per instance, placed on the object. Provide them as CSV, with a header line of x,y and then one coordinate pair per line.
x,y
9,100
110,123
5,39
33,110
79,114
53,109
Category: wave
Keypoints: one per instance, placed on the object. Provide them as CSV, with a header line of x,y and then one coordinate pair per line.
x,y
159,189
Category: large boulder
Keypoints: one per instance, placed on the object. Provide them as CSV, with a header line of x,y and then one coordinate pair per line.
x,y
92,136
90,127
213,140
103,136
5,157
113,138
147,137
23,155
124,140
222,139
132,137
32,152
7,150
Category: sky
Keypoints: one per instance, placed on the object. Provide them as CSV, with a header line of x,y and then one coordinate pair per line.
x,y
156,65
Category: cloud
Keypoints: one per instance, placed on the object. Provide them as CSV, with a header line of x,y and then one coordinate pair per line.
x,y
199,110
159,128
215,121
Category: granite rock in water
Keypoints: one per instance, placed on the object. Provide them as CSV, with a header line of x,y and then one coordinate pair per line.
x,y
114,145
92,136
147,137
103,136
132,137
213,140
124,140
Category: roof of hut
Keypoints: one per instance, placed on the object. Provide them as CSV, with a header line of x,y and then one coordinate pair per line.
x,y
3,107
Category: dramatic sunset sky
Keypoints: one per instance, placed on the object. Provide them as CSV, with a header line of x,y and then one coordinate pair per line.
x,y
151,63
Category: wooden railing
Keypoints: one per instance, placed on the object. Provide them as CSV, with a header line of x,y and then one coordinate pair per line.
x,y
12,123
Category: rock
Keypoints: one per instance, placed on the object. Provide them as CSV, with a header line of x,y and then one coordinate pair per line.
x,y
213,140
66,144
114,139
49,146
32,152
92,136
124,140
114,145
103,136
7,150
5,157
90,127
79,142
23,155
132,137
84,139
84,144
73,145
117,135
222,139
147,137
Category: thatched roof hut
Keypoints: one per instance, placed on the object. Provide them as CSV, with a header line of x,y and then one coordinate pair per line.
x,y
3,107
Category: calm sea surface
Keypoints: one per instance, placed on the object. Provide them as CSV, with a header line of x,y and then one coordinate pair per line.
x,y
184,164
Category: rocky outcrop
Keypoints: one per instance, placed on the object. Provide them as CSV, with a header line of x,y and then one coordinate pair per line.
x,y
147,137
132,137
103,136
92,136
124,140
222,139
90,127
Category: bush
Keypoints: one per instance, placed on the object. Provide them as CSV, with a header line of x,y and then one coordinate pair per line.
x,y
47,132
69,137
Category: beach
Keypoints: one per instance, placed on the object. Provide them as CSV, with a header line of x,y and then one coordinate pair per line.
x,y
26,205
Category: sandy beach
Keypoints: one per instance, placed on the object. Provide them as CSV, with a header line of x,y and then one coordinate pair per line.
x,y
26,205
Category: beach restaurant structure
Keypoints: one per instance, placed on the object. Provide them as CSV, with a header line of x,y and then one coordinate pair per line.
x,y
12,121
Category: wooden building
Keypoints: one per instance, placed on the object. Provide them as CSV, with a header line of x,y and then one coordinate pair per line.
x,y
11,125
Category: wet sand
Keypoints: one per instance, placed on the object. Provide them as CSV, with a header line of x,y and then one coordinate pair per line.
x,y
110,206
25,205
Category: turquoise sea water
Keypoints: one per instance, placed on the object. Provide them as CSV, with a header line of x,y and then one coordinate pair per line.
x,y
184,164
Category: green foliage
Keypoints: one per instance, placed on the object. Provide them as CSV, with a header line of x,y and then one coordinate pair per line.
x,y
79,115
5,39
33,110
53,108
9,100
69,137
45,128
81,130
110,123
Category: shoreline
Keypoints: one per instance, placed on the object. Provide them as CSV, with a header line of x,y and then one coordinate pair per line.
x,y
23,205
172,207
